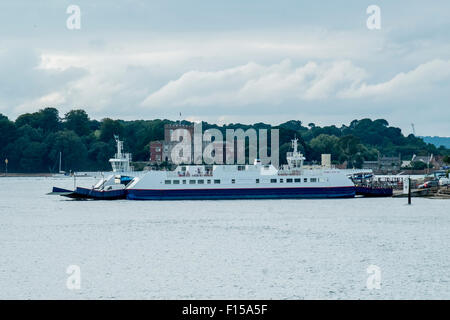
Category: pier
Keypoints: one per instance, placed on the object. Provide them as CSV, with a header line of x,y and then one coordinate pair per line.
x,y
442,192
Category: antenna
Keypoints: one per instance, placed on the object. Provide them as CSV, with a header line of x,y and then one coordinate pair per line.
x,y
413,129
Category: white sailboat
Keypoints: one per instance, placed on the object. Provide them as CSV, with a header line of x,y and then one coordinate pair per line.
x,y
60,173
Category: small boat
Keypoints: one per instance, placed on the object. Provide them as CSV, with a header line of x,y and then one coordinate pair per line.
x,y
373,191
110,188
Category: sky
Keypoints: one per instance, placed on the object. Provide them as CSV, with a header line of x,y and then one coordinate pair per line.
x,y
230,61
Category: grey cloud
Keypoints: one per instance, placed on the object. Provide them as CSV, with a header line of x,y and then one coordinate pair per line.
x,y
21,79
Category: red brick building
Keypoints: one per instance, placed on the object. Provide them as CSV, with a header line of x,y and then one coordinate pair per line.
x,y
156,152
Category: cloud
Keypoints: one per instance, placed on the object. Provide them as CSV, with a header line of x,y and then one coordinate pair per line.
x,y
230,61
276,84
254,83
423,78
22,81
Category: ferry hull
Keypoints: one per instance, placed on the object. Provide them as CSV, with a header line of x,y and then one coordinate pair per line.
x,y
243,193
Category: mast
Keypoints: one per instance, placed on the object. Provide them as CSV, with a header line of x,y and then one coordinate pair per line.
x,y
295,158
121,160
60,154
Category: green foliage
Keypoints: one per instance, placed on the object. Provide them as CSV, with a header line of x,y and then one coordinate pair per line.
x,y
326,144
109,128
418,165
74,152
33,142
8,131
78,121
46,119
447,159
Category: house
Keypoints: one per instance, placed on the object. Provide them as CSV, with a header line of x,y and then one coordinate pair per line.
x,y
435,161
384,164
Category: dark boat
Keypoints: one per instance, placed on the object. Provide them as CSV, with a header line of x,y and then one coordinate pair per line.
x,y
371,191
94,194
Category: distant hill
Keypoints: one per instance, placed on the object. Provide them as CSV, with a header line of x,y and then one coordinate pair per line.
x,y
438,141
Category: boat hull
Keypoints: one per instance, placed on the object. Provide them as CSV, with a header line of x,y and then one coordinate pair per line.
x,y
240,193
374,192
99,195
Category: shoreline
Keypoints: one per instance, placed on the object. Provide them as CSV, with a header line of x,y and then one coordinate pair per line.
x,y
3,175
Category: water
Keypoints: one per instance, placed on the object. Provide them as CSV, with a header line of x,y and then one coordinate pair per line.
x,y
274,249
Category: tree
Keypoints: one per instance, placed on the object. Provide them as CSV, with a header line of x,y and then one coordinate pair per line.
x,y
326,144
418,165
447,159
49,120
8,133
88,144
100,153
74,152
109,128
46,119
78,121
33,157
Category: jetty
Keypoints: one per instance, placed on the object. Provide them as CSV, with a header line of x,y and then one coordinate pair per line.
x,y
433,193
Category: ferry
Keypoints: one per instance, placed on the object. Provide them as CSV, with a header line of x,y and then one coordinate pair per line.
x,y
217,182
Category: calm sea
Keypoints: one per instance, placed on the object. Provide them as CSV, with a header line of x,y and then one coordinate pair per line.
x,y
274,249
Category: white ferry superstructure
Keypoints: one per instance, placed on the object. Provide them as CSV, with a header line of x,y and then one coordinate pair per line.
x,y
255,181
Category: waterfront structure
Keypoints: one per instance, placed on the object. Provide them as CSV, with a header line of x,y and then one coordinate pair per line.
x,y
384,164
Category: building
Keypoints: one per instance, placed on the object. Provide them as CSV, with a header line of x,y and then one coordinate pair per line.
x,y
161,150
156,152
384,164
436,162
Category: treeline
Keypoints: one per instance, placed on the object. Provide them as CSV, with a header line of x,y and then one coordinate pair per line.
x,y
33,142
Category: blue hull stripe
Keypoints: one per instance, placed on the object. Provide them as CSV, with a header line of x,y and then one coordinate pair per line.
x,y
243,193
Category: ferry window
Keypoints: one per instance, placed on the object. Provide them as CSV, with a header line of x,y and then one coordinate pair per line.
x,y
273,180
257,180
191,181
216,181
305,180
184,181
176,181
288,180
241,168
167,182
183,168
266,167
233,181
297,180
313,179
281,180
209,181
323,179
201,181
